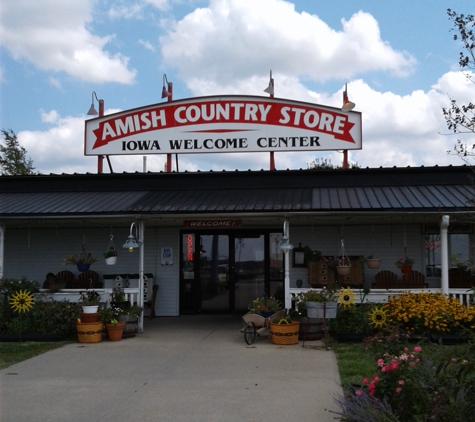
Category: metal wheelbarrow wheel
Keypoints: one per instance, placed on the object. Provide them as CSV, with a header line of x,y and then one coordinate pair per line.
x,y
250,332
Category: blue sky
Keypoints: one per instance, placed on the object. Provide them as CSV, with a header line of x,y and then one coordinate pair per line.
x,y
399,59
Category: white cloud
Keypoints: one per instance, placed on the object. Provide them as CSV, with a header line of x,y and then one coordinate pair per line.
x,y
147,45
236,39
397,131
52,35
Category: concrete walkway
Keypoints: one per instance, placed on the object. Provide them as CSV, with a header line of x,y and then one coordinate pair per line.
x,y
188,368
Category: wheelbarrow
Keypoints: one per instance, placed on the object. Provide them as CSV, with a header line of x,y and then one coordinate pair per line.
x,y
255,324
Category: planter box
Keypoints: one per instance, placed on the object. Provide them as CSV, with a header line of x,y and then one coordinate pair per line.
x,y
318,309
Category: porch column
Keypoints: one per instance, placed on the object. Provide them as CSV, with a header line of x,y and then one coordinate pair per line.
x,y
444,255
2,246
288,301
141,264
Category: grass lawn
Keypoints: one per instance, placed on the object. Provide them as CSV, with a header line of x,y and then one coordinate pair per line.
x,y
356,363
14,352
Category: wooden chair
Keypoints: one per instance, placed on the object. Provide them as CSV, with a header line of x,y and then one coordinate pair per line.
x,y
150,304
415,280
386,280
66,277
88,280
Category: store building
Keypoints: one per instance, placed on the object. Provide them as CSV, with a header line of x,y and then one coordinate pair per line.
x,y
211,240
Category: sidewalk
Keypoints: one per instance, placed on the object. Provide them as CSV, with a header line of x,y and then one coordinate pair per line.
x,y
187,368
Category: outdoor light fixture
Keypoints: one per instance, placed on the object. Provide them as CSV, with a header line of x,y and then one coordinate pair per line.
x,y
347,104
131,243
270,89
284,244
166,91
92,111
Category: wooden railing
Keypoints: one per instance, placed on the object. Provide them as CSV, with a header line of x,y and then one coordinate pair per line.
x,y
73,295
381,295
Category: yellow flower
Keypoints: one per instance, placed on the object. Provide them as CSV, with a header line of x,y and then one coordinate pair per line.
x,y
346,297
22,301
378,317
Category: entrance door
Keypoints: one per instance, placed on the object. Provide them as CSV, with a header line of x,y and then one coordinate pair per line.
x,y
248,271
225,272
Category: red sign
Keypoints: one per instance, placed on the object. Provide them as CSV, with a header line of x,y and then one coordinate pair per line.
x,y
215,224
223,124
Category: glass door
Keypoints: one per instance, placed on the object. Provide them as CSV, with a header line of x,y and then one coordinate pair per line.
x,y
224,272
248,278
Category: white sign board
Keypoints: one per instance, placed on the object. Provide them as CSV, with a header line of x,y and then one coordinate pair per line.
x,y
224,124
167,256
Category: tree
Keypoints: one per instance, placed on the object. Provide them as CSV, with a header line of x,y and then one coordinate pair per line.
x,y
13,159
460,118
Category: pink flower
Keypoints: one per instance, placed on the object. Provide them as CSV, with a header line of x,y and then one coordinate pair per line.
x,y
366,381
406,349
358,392
380,362
418,349
375,378
401,382
398,390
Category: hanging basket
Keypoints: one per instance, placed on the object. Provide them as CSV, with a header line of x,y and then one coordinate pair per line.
x,y
110,254
286,333
373,263
83,267
343,269
406,269
111,260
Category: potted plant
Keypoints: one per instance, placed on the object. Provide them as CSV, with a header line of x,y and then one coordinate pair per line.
x,y
265,306
89,301
110,317
118,299
405,264
111,256
322,303
343,265
131,318
83,261
372,263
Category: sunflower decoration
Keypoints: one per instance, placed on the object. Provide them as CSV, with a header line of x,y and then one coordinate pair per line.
x,y
22,301
378,317
346,297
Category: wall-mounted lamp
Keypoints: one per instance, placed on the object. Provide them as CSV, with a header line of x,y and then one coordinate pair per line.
x,y
347,104
270,89
92,111
167,90
285,245
131,243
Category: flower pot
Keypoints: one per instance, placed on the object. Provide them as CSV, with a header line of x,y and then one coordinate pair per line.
x,y
406,269
115,331
373,263
284,334
318,309
83,267
90,317
89,332
90,309
111,260
343,269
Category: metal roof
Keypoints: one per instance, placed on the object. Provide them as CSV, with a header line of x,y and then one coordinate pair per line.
x,y
442,189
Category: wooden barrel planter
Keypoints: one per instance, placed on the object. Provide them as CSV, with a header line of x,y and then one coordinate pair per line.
x,y
131,325
310,329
